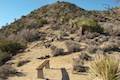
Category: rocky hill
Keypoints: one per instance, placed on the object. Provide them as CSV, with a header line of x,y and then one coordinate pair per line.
x,y
56,14
57,29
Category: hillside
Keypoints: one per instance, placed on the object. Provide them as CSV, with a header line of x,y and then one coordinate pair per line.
x,y
69,36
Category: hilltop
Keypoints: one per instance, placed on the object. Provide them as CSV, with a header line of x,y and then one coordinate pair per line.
x,y
58,13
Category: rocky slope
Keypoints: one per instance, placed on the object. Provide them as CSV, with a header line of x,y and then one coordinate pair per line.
x,y
62,29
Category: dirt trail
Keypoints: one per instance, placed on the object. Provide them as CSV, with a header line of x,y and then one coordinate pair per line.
x,y
56,63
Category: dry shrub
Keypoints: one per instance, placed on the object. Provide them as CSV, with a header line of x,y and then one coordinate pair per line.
x,y
25,35
112,28
72,46
57,51
105,68
7,71
10,46
29,34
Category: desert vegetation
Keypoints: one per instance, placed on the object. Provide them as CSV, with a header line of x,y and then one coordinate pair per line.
x,y
83,32
8,71
72,46
8,49
105,67
56,51
88,24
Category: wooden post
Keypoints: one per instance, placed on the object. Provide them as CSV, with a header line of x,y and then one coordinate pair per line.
x,y
40,73
47,65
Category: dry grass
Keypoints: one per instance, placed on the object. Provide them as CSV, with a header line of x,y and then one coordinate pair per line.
x,y
105,68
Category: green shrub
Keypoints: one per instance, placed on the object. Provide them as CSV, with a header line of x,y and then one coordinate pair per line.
x,y
41,22
10,46
3,56
89,25
105,68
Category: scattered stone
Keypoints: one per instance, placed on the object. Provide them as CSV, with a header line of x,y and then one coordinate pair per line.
x,y
44,57
80,68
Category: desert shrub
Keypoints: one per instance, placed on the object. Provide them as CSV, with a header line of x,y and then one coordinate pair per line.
x,y
29,35
10,46
72,46
89,25
3,57
111,28
25,35
7,71
37,23
105,68
57,51
17,38
7,49
41,22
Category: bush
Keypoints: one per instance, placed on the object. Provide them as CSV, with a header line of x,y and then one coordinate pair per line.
x,y
25,35
111,29
3,57
72,46
105,68
38,23
7,71
29,35
10,46
56,51
89,25
41,22
8,49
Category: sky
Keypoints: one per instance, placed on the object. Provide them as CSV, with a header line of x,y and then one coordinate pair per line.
x,y
14,9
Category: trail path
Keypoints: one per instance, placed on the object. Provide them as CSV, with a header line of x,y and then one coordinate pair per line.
x,y
56,63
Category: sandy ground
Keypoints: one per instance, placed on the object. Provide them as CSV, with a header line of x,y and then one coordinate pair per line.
x,y
56,63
